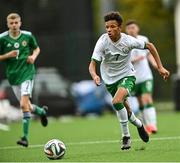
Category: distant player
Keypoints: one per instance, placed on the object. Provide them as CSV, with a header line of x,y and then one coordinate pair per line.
x,y
19,50
144,78
112,51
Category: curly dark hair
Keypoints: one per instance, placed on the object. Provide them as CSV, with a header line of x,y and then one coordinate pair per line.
x,y
113,15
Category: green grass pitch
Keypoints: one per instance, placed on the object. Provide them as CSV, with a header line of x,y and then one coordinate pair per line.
x,y
94,140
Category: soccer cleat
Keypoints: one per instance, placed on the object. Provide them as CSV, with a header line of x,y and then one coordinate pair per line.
x,y
23,141
44,120
126,143
148,129
152,128
143,134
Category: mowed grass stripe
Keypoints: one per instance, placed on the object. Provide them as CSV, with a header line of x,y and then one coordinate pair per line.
x,y
94,142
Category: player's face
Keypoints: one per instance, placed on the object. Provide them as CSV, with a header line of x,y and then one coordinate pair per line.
x,y
113,29
14,24
132,30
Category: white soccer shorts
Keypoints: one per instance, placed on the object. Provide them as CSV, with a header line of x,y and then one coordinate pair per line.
x,y
23,89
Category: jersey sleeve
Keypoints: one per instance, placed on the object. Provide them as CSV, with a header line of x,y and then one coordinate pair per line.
x,y
33,43
98,51
146,40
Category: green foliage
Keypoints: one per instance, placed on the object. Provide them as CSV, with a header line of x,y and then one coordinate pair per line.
x,y
156,22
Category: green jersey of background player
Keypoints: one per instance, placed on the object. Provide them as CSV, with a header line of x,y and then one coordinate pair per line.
x,y
19,50
113,51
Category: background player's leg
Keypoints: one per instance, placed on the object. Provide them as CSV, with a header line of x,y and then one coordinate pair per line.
x,y
149,113
24,104
37,110
27,88
40,111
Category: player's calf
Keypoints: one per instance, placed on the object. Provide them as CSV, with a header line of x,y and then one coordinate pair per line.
x,y
41,112
142,132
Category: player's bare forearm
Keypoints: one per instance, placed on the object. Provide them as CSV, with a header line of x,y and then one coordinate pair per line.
x,y
31,59
3,57
152,61
162,71
8,55
36,53
92,71
155,54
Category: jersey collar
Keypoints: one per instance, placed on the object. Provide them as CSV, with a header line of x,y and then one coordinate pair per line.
x,y
16,36
115,43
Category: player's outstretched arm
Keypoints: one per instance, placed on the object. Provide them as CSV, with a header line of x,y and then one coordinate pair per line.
x,y
152,61
8,55
162,71
31,59
92,71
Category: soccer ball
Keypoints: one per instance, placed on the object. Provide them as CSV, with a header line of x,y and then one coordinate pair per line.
x,y
54,149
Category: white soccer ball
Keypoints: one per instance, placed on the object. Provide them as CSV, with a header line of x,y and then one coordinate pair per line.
x,y
54,149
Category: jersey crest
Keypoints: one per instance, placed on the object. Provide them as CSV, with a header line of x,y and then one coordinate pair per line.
x,y
16,45
24,43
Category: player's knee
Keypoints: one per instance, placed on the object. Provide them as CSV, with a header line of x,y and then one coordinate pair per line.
x,y
148,100
25,107
116,101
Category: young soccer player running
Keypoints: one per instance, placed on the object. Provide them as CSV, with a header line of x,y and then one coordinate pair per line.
x,y
144,78
19,50
113,50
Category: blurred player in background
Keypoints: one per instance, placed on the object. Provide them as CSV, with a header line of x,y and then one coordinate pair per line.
x,y
112,51
144,78
19,50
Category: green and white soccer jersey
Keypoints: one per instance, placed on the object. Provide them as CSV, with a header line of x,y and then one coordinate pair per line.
x,y
142,68
17,69
115,57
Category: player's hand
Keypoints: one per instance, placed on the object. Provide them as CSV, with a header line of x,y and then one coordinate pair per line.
x,y
12,54
30,59
164,73
97,80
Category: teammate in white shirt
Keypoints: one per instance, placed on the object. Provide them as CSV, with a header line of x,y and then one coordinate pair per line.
x,y
144,78
113,50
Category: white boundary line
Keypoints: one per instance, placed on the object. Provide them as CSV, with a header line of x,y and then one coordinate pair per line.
x,y
94,142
